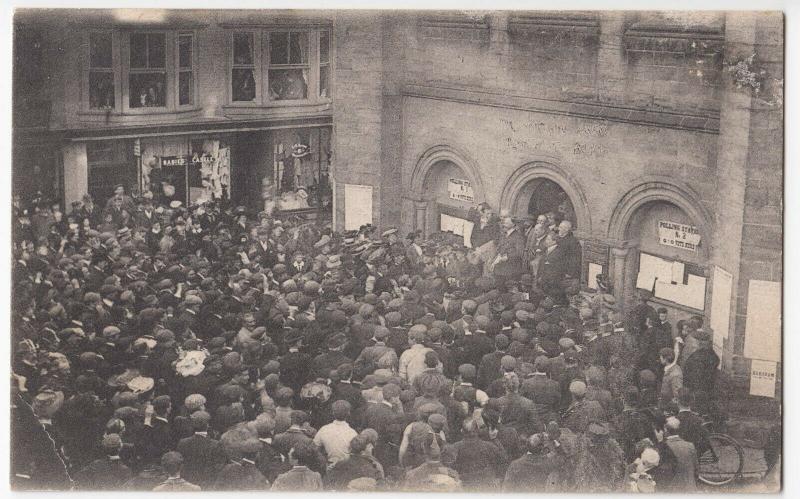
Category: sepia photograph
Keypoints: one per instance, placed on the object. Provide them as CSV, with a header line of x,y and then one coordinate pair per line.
x,y
505,251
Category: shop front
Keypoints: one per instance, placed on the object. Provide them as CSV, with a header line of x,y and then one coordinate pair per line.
x,y
281,169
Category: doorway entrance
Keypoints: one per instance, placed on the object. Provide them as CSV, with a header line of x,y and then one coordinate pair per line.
x,y
547,196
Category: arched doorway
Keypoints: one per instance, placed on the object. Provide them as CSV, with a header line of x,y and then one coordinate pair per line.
x,y
663,236
540,187
445,186
547,196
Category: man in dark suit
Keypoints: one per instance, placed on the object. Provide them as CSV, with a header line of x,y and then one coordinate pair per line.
x,y
159,435
489,368
509,264
203,456
700,369
552,268
572,249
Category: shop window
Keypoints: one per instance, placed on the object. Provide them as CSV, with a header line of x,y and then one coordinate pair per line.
x,y
148,70
101,71
110,162
294,66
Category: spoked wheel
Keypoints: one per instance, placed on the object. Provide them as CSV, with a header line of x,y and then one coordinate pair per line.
x,y
723,462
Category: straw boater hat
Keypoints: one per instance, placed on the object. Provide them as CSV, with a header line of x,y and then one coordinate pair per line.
x,y
323,241
334,262
192,364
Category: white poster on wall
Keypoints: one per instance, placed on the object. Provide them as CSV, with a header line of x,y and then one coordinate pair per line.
x,y
460,190
678,235
457,226
762,332
721,291
763,375
357,206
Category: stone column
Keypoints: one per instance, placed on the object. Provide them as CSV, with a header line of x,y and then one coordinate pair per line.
x,y
421,216
618,256
733,156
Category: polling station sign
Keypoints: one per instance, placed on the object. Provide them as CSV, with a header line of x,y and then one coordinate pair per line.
x,y
678,235
460,190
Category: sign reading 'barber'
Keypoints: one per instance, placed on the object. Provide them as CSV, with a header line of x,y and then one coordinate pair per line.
x,y
461,190
677,235
167,161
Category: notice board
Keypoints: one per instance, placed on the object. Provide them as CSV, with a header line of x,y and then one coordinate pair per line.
x,y
762,332
357,206
672,280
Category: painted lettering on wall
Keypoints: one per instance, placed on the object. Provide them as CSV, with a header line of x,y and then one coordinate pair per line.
x,y
534,135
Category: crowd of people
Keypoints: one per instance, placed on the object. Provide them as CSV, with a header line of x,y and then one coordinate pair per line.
x,y
165,347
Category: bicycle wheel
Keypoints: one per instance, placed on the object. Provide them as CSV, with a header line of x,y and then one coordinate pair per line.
x,y
723,462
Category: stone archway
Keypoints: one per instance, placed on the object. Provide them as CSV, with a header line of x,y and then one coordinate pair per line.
x,y
515,197
658,189
432,159
649,192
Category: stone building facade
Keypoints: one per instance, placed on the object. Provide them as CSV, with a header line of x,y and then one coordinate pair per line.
x,y
636,118
636,125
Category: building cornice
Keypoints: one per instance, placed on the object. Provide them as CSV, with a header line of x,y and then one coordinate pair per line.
x,y
707,122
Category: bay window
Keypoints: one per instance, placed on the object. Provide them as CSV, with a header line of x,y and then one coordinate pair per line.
x,y
293,67
148,70
140,72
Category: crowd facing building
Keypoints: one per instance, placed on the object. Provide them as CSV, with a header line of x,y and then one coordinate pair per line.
x,y
257,249
209,348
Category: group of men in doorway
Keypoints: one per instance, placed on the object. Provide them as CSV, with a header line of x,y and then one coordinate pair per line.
x,y
544,247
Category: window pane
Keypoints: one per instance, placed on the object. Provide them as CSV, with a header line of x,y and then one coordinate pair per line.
x,y
243,85
324,46
185,51
324,76
156,48
288,84
101,90
100,50
279,48
243,48
298,50
138,50
185,88
148,90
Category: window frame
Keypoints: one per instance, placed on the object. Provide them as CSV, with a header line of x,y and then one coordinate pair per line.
x,y
87,69
120,39
178,70
169,54
256,66
327,64
262,65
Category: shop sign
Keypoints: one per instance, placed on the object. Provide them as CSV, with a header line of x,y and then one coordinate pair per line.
x,y
167,161
677,235
460,190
